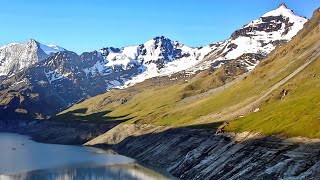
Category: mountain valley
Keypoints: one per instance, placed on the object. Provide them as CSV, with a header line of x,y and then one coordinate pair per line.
x,y
242,108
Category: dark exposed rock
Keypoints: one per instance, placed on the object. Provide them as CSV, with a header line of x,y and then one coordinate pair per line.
x,y
199,154
268,24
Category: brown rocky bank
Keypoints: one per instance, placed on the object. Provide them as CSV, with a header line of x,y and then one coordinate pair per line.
x,y
200,154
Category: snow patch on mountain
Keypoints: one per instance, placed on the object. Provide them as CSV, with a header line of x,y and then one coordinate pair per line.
x,y
260,36
195,55
159,56
53,76
51,48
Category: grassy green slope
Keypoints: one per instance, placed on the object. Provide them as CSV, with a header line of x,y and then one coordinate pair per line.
x,y
166,105
148,103
292,109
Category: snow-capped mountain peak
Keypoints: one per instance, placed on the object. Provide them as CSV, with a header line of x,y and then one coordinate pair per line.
x,y
158,56
281,10
284,11
17,56
161,56
282,5
261,36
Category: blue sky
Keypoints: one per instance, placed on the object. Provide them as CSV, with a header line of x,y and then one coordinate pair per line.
x,y
83,25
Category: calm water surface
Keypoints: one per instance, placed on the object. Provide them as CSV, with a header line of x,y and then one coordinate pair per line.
x,y
22,158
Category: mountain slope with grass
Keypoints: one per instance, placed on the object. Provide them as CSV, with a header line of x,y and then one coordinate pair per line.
x,y
286,80
293,108
46,81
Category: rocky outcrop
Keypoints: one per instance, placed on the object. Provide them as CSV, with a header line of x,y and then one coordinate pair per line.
x,y
200,154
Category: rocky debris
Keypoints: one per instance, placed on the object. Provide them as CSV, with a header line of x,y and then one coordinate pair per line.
x,y
200,154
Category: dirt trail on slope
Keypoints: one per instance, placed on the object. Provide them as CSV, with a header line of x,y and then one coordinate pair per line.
x,y
235,111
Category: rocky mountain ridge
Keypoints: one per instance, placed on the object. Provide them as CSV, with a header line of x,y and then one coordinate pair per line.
x,y
255,40
65,78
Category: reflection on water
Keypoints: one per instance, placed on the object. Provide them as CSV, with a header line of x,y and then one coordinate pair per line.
x,y
128,171
22,158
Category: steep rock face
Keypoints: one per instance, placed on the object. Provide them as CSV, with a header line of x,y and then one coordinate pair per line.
x,y
16,56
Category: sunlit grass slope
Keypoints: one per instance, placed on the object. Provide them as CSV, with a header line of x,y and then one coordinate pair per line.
x,y
293,109
168,104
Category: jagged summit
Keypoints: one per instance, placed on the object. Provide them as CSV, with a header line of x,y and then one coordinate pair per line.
x,y
259,37
17,56
283,5
161,37
283,10
159,56
32,41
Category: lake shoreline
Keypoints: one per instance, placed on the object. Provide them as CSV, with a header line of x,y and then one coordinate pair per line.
x,y
51,133
197,153
75,161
